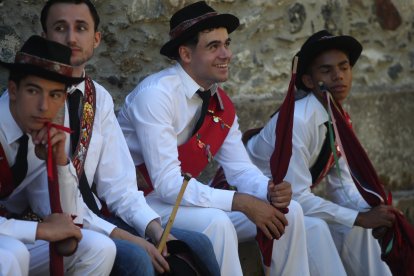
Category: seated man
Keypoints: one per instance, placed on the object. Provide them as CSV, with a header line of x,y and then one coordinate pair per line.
x,y
328,59
37,86
100,154
159,122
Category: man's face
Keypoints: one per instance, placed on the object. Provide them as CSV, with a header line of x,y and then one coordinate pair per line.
x,y
35,101
333,69
73,25
208,62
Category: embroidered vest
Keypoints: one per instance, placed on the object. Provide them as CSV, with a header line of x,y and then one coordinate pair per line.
x,y
200,149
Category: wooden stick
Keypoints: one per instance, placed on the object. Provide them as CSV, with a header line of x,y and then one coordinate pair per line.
x,y
167,229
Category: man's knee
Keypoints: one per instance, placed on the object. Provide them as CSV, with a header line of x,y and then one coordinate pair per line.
x,y
131,259
17,254
97,246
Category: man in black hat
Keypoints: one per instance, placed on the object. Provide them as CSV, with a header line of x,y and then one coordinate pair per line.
x,y
101,156
177,120
37,85
346,219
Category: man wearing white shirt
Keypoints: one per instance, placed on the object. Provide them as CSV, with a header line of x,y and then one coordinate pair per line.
x,y
338,228
159,121
101,156
37,86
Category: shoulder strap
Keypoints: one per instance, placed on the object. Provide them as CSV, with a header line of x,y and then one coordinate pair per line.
x,y
86,131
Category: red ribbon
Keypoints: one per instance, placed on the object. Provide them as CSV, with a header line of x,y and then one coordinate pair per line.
x,y
56,261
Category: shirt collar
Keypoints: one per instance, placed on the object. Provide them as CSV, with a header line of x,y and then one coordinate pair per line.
x,y
80,86
191,87
8,125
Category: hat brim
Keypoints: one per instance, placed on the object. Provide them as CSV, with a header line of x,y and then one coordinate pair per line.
x,y
347,44
41,72
228,21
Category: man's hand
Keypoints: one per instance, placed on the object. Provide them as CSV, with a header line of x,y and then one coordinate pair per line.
x,y
57,138
57,227
154,231
158,261
279,195
378,216
270,220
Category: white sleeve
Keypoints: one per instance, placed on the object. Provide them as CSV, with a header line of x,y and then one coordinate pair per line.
x,y
238,168
342,190
115,175
24,231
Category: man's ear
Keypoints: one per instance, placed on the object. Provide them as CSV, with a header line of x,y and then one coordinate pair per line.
x,y
97,39
185,53
12,88
307,81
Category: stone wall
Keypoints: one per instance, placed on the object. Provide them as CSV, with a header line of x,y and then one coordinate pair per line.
x,y
271,32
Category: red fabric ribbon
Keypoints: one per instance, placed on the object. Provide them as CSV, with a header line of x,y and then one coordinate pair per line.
x,y
56,261
398,242
280,159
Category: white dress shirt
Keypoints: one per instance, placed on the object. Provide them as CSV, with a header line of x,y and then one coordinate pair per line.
x,y
158,116
33,190
109,165
309,133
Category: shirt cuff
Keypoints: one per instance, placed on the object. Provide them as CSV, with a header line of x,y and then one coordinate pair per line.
x,y
143,218
222,199
24,231
346,216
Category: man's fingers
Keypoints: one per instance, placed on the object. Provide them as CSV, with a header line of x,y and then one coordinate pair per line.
x,y
160,264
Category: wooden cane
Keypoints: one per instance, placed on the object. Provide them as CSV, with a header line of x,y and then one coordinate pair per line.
x,y
167,229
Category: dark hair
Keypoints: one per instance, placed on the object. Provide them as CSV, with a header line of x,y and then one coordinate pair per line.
x,y
49,3
191,42
17,76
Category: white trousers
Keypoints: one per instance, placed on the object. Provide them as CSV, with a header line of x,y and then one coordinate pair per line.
x,y
227,229
289,255
95,256
359,251
324,259
14,257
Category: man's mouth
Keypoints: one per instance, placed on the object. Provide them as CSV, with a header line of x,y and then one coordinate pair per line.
x,y
222,65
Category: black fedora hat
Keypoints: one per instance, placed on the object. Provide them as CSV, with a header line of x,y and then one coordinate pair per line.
x,y
44,58
320,42
192,19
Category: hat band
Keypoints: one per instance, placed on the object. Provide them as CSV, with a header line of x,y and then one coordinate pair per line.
x,y
180,28
53,66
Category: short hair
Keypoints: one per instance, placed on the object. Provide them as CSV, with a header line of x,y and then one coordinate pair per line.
x,y
17,76
45,11
191,42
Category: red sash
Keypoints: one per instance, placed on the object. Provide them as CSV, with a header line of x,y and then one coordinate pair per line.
x,y
200,149
87,119
6,176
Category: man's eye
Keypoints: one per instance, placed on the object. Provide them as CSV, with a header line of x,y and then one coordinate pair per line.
x,y
59,28
56,95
